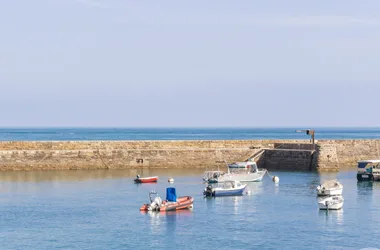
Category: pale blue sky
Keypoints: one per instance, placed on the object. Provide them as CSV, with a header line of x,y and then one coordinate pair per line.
x,y
189,63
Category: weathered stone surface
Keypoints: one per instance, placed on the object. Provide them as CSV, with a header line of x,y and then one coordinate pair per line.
x,y
289,154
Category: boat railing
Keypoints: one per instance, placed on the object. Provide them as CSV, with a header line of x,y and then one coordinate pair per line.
x,y
212,174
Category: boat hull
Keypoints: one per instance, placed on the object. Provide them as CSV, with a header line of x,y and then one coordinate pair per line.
x,y
331,203
367,177
332,207
184,202
246,177
217,193
146,179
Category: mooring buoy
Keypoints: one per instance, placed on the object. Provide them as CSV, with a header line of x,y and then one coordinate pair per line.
x,y
275,179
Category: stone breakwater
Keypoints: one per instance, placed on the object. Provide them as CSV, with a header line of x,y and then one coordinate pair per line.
x,y
272,154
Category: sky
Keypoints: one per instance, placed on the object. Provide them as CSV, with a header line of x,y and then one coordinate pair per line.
x,y
119,63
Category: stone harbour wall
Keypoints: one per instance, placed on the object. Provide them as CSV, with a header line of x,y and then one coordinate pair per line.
x,y
278,154
333,154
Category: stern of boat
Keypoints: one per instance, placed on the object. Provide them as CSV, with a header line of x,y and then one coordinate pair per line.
x,y
364,177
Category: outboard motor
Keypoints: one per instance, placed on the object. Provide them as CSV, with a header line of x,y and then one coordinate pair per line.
x,y
208,191
155,205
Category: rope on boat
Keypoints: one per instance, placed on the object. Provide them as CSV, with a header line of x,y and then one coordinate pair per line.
x,y
270,176
273,177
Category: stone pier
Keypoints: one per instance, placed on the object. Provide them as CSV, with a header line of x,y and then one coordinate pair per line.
x,y
271,154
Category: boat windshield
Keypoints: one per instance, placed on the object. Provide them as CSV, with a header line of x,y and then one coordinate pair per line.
x,y
229,184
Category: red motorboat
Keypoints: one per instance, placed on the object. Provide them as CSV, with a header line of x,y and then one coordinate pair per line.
x,y
172,203
139,179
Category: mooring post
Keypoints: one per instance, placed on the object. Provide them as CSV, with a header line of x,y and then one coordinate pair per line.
x,y
310,132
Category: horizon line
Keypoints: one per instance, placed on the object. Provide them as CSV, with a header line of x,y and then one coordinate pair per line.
x,y
184,127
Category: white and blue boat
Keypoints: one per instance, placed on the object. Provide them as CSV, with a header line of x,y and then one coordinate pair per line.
x,y
368,170
229,188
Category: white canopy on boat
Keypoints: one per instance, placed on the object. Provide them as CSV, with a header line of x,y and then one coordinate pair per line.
x,y
331,183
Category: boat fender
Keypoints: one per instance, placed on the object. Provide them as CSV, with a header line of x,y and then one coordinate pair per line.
x,y
275,179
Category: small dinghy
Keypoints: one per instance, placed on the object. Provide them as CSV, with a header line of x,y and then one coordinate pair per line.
x,y
172,203
229,188
330,187
331,203
139,179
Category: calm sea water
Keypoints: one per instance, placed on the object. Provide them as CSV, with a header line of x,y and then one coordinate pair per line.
x,y
47,134
100,210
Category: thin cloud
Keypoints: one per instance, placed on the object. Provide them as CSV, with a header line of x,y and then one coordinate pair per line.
x,y
92,3
315,21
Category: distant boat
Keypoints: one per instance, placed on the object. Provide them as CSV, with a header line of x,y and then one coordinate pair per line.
x,y
229,188
252,174
171,203
331,203
139,179
368,170
330,187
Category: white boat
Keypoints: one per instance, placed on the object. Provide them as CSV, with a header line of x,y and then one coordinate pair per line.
x,y
330,187
368,170
229,188
243,175
331,203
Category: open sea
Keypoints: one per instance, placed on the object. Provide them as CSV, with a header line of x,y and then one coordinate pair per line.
x,y
100,210
57,134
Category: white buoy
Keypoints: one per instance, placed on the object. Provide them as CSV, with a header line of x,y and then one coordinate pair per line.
x,y
249,192
170,180
275,179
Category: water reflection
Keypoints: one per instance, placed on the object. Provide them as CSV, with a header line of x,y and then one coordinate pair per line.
x,y
332,217
368,185
255,188
169,219
155,221
209,201
237,201
83,175
365,187
276,188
